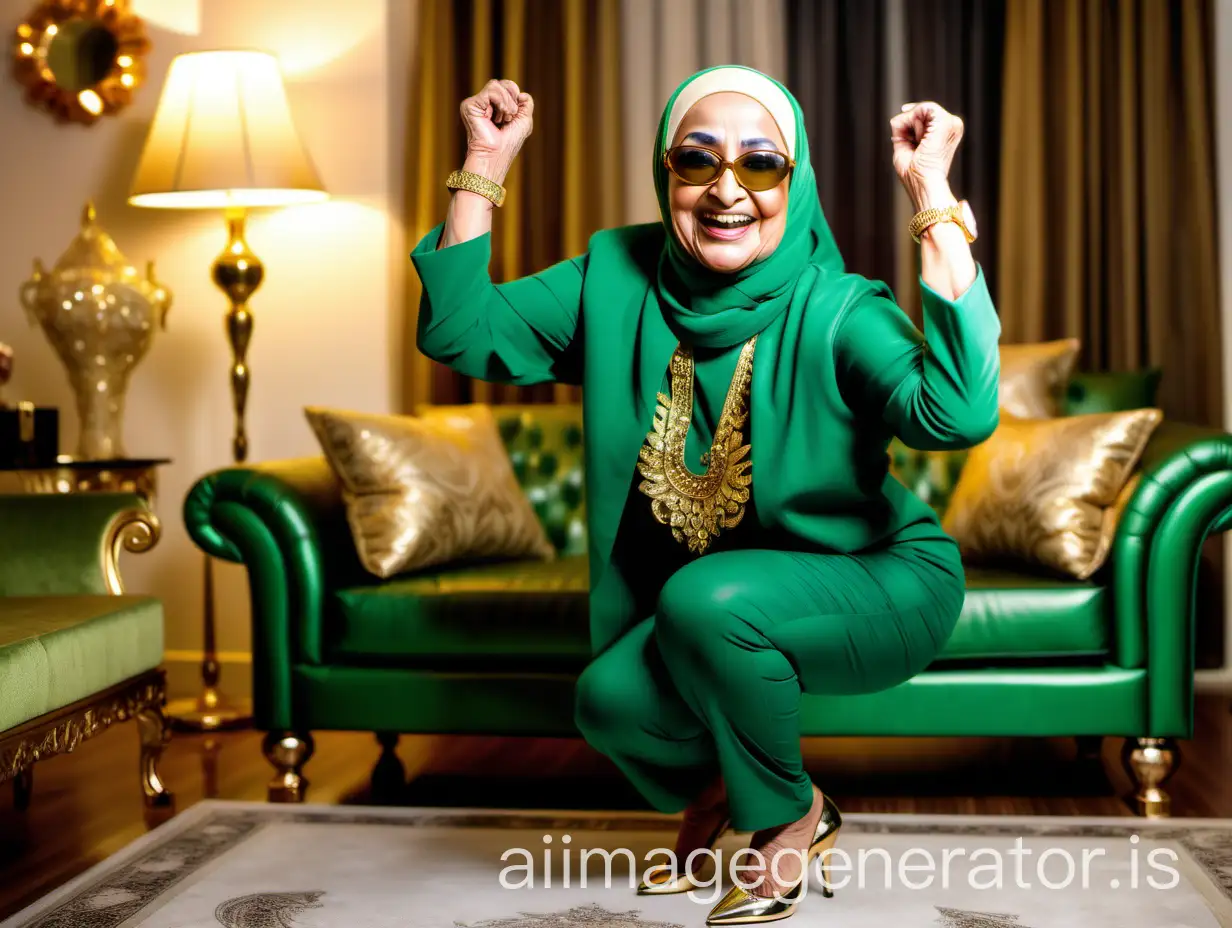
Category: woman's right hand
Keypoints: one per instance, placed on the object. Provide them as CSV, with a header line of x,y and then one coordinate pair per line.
x,y
498,120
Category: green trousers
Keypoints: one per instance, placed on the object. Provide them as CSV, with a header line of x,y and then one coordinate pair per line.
x,y
711,681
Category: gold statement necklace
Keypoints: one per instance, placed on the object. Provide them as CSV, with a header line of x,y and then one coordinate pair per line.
x,y
698,506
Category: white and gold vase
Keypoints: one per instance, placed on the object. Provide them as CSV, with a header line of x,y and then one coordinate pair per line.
x,y
100,315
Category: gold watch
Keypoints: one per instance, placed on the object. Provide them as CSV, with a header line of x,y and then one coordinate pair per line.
x,y
476,183
959,213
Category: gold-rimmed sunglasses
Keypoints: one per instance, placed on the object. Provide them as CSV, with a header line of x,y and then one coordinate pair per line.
x,y
755,170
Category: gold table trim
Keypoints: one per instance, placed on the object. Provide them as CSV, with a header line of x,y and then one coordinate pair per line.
x,y
62,730
86,477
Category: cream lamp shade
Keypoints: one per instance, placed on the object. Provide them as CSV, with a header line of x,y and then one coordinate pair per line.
x,y
223,138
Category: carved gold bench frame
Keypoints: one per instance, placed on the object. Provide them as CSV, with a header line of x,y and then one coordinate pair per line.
x,y
61,731
141,697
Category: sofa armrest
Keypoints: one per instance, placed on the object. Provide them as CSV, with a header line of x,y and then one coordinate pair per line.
x,y
70,543
286,522
1184,495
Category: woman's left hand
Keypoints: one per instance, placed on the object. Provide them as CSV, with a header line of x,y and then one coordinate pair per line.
x,y
925,137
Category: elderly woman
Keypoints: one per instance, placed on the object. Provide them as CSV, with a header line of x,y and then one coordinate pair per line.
x,y
747,542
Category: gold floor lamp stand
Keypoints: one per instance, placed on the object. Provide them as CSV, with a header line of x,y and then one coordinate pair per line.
x,y
238,273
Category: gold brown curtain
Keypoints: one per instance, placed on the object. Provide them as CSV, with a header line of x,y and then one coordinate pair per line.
x,y
1107,223
667,40
1107,215
952,52
567,181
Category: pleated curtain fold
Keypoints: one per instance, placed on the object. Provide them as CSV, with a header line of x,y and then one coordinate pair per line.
x,y
852,64
837,68
600,72
1089,153
1107,200
568,180
954,54
667,40
1107,226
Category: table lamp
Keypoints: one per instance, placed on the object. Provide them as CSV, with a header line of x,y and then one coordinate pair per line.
x,y
223,138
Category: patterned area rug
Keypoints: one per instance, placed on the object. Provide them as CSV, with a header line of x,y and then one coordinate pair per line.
x,y
244,865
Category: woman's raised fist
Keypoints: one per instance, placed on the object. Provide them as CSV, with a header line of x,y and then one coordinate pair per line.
x,y
498,119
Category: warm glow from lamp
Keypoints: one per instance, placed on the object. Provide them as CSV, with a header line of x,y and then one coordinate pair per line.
x,y
223,137
90,101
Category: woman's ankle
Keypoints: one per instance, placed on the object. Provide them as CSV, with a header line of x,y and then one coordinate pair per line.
x,y
703,817
783,847
712,795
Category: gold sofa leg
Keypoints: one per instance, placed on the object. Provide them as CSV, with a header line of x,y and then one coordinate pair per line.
x,y
1150,763
288,752
155,733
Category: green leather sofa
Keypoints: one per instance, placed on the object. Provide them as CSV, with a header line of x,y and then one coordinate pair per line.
x,y
77,654
495,649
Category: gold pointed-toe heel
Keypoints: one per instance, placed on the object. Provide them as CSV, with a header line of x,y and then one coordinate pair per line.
x,y
663,880
741,907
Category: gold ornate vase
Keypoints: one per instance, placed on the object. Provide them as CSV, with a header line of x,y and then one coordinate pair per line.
x,y
100,316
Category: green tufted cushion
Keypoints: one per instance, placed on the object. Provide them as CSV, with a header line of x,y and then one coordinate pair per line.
x,y
930,475
1111,392
545,446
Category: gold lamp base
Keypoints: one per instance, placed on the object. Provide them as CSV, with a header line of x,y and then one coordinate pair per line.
x,y
208,712
238,273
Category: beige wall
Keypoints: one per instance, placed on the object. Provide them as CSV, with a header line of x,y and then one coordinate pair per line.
x,y
326,318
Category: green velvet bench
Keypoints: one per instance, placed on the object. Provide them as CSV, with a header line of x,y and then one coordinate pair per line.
x,y
496,649
77,655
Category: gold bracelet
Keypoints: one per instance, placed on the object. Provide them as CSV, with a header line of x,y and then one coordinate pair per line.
x,y
476,183
958,213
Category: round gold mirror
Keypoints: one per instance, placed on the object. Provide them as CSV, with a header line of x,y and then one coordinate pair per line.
x,y
80,59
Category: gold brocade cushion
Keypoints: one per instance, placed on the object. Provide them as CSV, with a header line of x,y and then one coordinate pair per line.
x,y
1049,491
426,490
1034,377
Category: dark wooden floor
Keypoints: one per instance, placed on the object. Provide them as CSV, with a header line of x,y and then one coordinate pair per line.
x,y
88,805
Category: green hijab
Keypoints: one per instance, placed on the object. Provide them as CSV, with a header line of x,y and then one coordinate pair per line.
x,y
714,309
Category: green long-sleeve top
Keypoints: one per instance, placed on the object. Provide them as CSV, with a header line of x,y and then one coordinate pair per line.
x,y
835,376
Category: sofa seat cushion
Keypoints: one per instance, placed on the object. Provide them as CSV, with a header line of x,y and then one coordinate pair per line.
x,y
514,615
1009,614
55,650
533,616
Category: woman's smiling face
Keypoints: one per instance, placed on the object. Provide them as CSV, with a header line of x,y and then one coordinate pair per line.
x,y
724,226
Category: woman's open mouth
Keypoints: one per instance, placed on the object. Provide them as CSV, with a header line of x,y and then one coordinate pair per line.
x,y
726,227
